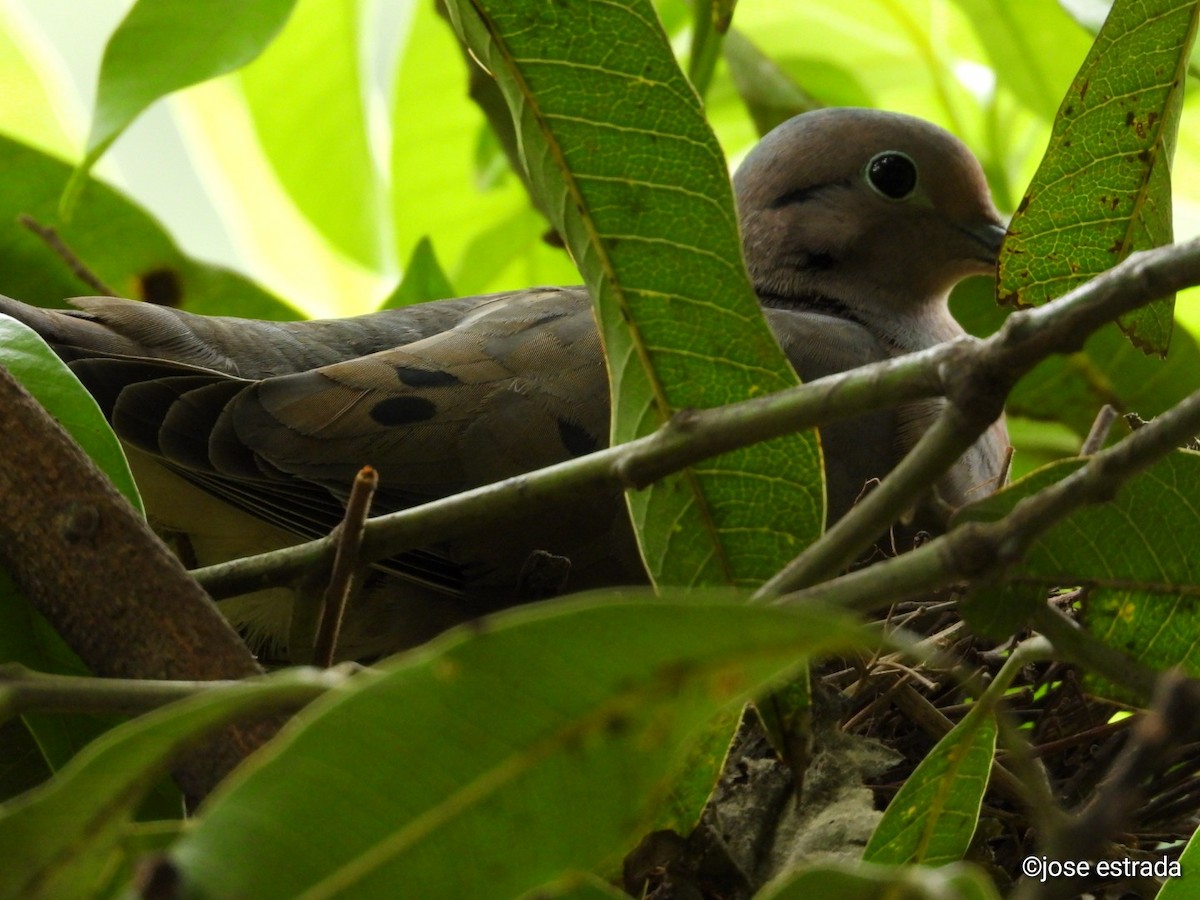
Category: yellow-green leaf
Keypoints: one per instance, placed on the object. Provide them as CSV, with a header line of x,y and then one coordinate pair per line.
x,y
1103,189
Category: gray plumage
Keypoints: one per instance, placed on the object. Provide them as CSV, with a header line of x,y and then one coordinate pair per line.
x,y
276,418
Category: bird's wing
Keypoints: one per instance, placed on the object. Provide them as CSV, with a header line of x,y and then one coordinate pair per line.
x,y
515,384
249,348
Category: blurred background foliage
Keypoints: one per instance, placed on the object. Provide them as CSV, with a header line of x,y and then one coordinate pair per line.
x,y
349,155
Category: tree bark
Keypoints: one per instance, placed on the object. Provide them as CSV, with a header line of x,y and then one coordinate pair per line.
x,y
88,562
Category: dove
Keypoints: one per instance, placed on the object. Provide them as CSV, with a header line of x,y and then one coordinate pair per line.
x,y
246,435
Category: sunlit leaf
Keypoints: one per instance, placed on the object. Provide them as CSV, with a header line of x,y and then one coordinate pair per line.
x,y
423,279
33,101
1035,47
309,105
112,237
164,45
1104,187
434,193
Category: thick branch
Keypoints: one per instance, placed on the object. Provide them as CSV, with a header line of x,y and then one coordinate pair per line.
x,y
119,598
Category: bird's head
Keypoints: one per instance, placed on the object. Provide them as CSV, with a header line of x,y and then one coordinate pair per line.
x,y
864,208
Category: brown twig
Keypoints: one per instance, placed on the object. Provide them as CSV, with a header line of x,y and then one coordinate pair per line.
x,y
1099,431
349,535
50,236
1173,720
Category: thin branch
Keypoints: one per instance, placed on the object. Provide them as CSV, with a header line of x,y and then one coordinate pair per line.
x,y
977,380
1078,645
689,437
1172,721
26,691
345,562
1099,430
50,236
937,450
976,550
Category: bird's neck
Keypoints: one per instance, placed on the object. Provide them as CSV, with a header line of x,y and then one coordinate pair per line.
x,y
899,323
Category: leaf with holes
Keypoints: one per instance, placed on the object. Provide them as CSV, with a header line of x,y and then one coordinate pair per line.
x,y
1103,189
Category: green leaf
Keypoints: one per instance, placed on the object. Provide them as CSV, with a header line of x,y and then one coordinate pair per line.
x,y
1134,556
437,197
22,765
501,757
423,279
58,839
932,818
617,146
164,45
770,94
1103,189
578,887
317,140
1035,45
27,638
511,251
1090,14
787,716
28,358
1184,883
697,774
33,97
115,238
870,882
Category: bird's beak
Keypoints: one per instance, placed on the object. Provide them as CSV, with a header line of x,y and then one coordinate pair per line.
x,y
988,236
991,235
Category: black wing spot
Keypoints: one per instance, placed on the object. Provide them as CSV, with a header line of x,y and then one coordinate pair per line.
x,y
403,410
426,378
577,439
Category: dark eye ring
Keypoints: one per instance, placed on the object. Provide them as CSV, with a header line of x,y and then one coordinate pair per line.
x,y
892,174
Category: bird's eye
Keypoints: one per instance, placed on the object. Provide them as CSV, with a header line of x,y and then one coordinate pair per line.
x,y
892,174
